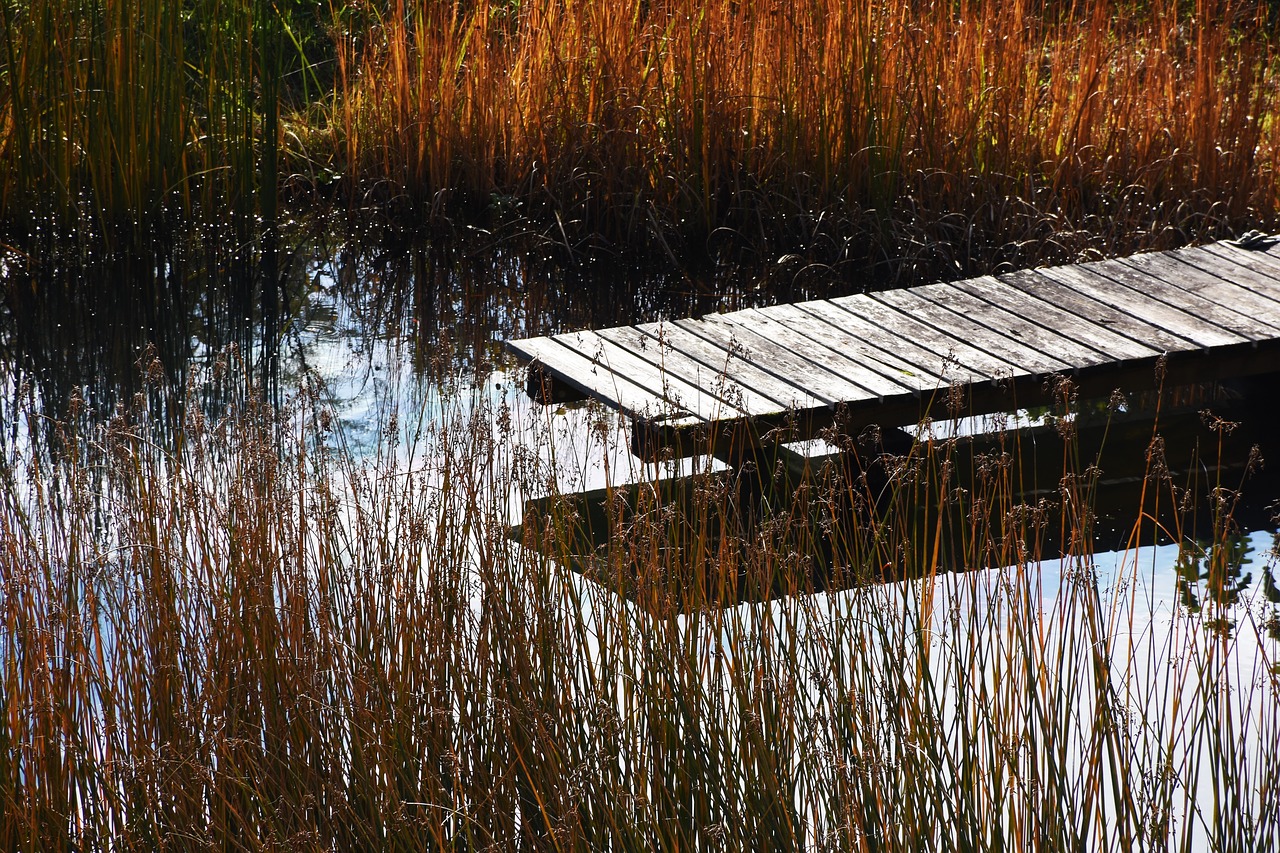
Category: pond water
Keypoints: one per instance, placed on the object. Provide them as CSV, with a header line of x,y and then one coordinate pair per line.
x,y
380,324
390,336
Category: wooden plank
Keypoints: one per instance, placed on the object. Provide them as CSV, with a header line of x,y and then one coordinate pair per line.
x,y
1024,358
915,362
1195,332
858,350
1004,322
1178,284
1260,263
1045,287
1051,315
779,362
758,391
1267,257
1268,252
1242,289
690,378
868,359
596,378
1240,267
954,356
663,377
814,355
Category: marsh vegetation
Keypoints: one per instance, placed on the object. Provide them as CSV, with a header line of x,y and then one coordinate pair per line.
x,y
892,140
245,634
237,612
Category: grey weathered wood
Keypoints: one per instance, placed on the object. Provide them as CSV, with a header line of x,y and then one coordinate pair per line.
x,y
1044,285
681,373
1025,359
953,356
1007,325
635,388
708,385
805,355
1267,256
1269,247
779,364
752,388
555,361
1267,268
615,359
914,363
1194,331
1243,290
1178,284
802,327
1115,346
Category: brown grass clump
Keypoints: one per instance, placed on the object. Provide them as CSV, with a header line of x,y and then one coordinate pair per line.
x,y
247,637
890,141
956,136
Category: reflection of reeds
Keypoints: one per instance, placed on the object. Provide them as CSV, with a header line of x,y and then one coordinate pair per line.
x,y
942,133
254,639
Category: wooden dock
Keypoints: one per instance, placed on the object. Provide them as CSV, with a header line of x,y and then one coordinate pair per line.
x,y
704,385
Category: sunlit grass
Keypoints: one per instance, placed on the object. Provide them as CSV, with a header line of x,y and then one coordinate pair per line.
x,y
246,636
920,138
1099,125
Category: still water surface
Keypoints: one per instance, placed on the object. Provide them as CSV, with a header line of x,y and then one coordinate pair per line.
x,y
386,325
381,329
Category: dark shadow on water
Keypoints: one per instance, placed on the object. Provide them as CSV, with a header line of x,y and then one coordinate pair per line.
x,y
85,321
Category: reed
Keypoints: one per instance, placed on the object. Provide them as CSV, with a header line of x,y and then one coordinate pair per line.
x,y
951,136
912,139
248,636
128,113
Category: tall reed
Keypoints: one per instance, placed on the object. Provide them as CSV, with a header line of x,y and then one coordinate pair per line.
x,y
124,112
922,138
949,135
253,638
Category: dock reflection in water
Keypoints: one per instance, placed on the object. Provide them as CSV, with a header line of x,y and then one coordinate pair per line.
x,y
1185,466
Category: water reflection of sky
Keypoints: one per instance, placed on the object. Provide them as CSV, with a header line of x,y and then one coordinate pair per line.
x,y
361,373
353,336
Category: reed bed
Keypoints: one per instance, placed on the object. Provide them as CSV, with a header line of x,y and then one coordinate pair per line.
x,y
129,114
954,135
911,139
247,637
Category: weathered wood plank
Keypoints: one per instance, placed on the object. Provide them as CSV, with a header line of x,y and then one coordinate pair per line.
x,y
752,388
1268,253
708,385
1191,329
690,380
914,362
1242,289
1048,314
1041,284
666,377
854,350
1265,266
588,373
812,354
777,362
1178,284
953,355
1008,325
1024,359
